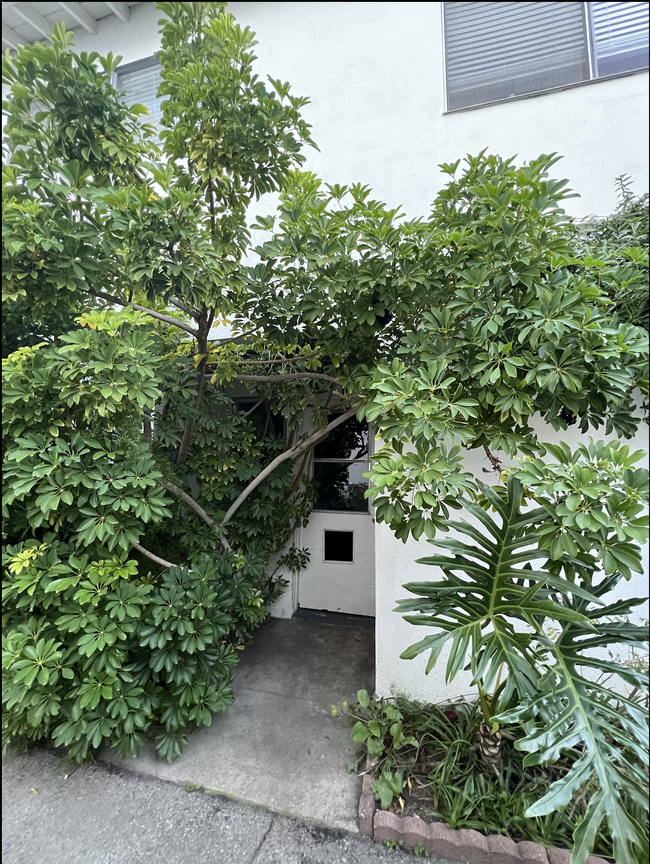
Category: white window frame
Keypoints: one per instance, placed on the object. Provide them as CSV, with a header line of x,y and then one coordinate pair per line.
x,y
367,460
593,77
136,66
341,531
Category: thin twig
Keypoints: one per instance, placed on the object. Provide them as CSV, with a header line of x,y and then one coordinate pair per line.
x,y
496,464
268,419
257,405
220,342
192,311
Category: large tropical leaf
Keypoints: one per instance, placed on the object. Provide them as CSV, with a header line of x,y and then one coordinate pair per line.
x,y
571,710
490,586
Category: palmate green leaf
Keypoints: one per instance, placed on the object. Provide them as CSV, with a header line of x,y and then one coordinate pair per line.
x,y
613,730
169,745
477,611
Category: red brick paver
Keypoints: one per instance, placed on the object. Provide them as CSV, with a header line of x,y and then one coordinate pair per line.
x,y
439,840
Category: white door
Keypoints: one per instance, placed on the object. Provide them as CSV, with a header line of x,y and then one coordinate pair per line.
x,y
340,576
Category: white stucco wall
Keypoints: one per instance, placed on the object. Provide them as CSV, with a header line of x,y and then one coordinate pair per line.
x,y
395,565
374,74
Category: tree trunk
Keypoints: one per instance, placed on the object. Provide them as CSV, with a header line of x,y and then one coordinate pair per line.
x,y
205,323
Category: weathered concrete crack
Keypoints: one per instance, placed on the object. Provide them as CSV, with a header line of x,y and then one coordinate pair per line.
x,y
262,841
284,696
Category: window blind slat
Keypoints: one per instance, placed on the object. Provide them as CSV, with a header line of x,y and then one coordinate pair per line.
x,y
527,49
495,50
140,87
620,36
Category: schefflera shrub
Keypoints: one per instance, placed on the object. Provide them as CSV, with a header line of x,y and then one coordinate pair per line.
x,y
94,654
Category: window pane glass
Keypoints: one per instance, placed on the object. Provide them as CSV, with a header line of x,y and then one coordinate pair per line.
x,y
497,50
339,546
341,486
347,441
273,423
620,37
140,87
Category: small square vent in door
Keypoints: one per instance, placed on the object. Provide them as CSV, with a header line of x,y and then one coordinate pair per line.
x,y
338,546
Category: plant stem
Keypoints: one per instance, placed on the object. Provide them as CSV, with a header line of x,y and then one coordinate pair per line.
x,y
496,464
290,376
205,323
171,487
166,318
148,554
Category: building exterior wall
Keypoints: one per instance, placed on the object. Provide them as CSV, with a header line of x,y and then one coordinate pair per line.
x,y
374,74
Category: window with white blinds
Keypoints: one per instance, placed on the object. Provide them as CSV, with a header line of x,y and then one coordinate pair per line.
x,y
138,82
499,50
620,36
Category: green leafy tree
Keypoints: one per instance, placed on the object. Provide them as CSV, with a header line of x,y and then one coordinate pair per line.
x,y
91,219
106,426
453,331
615,250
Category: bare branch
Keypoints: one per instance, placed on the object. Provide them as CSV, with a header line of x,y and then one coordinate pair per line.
x,y
191,311
257,405
170,487
205,323
219,342
213,222
166,318
151,555
244,362
299,448
496,464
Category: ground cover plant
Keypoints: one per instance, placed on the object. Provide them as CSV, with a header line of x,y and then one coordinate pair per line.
x,y
435,771
145,501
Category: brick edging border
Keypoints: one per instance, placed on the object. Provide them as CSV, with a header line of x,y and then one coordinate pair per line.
x,y
439,840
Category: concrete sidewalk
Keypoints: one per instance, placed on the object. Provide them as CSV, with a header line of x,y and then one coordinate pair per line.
x,y
278,746
55,813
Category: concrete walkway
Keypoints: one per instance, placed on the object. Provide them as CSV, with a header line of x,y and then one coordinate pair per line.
x,y
55,813
278,746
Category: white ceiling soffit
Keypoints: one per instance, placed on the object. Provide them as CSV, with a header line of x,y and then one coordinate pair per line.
x,y
25,23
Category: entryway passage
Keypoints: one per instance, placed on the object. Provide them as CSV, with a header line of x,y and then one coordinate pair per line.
x,y
340,576
278,746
